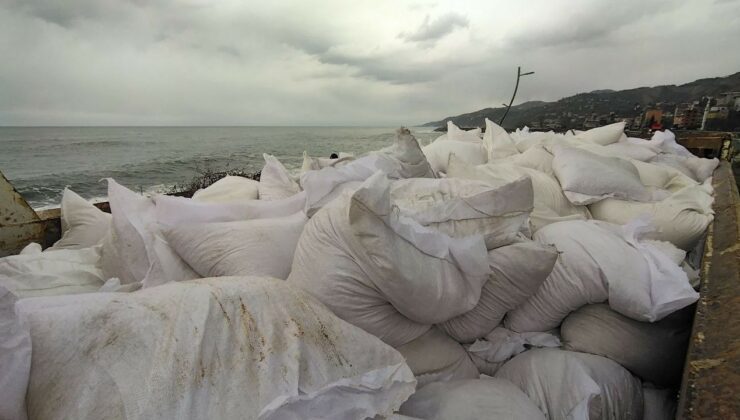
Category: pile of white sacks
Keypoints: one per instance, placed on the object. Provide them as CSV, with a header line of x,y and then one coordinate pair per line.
x,y
509,275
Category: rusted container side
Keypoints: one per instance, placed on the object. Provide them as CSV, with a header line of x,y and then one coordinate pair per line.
x,y
19,224
711,382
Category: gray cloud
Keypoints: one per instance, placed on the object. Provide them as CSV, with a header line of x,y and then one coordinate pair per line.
x,y
591,24
333,62
431,31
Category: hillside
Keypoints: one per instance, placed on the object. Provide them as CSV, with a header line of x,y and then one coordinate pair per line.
x,y
571,112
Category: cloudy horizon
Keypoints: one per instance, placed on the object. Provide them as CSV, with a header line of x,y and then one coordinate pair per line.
x,y
163,62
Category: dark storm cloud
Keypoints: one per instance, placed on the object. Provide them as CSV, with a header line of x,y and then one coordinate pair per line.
x,y
69,13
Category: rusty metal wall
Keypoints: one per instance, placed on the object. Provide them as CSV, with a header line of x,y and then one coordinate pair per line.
x,y
711,383
19,223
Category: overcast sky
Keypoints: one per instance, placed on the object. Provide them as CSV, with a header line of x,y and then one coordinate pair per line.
x,y
162,62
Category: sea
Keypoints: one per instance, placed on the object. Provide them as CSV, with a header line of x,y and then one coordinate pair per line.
x,y
41,161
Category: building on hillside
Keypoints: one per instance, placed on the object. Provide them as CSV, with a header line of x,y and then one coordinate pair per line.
x,y
652,118
691,115
730,100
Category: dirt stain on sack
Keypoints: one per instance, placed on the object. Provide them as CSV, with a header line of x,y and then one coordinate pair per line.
x,y
221,305
318,333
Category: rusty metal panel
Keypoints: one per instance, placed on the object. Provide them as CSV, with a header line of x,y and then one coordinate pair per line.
x,y
19,223
711,380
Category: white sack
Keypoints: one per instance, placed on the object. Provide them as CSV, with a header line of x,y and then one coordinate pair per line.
x,y
660,404
134,249
667,142
83,224
314,164
221,348
385,272
229,188
259,247
651,145
621,149
586,177
454,133
472,399
681,219
535,158
663,177
699,169
438,153
518,270
403,159
577,386
550,204
501,344
172,211
124,252
497,142
15,358
655,352
54,272
525,139
626,150
275,181
600,261
603,136
434,357
461,208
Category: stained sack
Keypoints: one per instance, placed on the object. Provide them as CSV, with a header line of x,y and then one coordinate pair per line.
x,y
229,347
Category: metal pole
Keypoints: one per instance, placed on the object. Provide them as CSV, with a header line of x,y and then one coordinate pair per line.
x,y
519,74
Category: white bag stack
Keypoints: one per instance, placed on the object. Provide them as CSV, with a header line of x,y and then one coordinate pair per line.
x,y
578,386
229,347
550,204
403,159
473,399
381,270
466,145
455,133
599,261
172,211
134,249
526,139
